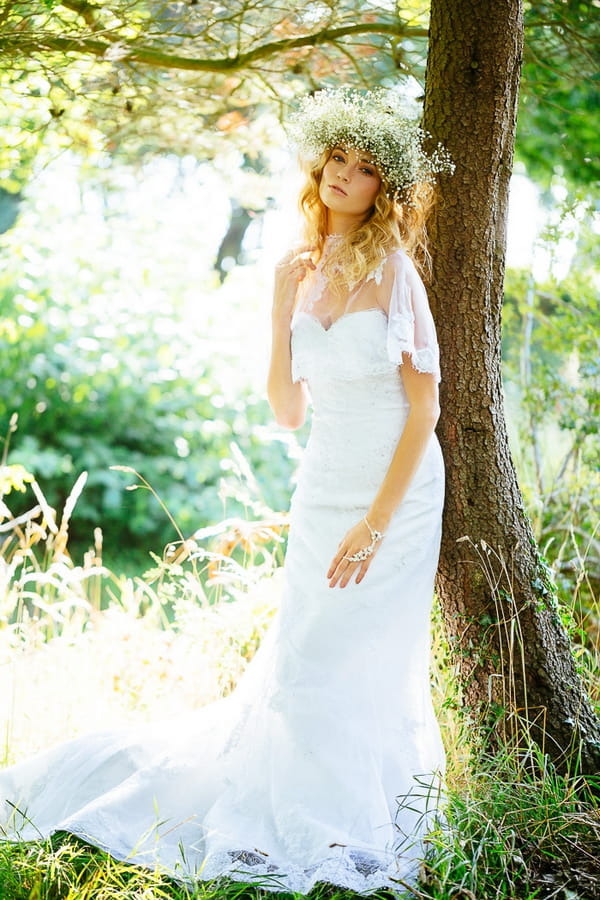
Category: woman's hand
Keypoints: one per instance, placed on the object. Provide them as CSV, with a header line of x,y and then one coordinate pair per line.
x,y
289,272
288,399
342,569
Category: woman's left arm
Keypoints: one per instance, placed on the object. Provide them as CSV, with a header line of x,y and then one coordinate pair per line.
x,y
422,394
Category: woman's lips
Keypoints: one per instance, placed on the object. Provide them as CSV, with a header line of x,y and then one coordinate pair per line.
x,y
338,190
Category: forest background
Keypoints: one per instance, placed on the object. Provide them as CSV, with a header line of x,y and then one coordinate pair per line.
x,y
140,206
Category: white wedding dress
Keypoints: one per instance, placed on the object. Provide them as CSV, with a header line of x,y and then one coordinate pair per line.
x,y
324,763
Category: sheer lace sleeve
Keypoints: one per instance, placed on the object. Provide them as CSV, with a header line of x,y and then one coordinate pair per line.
x,y
410,324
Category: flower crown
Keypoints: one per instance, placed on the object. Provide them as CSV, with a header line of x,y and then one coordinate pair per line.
x,y
374,122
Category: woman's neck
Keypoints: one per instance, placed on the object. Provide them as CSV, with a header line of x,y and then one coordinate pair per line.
x,y
340,224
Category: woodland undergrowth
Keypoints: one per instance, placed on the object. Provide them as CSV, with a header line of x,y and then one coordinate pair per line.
x,y
181,635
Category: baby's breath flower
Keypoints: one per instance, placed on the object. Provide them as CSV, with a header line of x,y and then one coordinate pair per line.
x,y
373,122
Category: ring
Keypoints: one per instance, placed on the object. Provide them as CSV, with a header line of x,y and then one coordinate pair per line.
x,y
361,555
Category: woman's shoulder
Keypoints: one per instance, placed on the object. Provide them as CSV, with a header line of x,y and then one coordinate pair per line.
x,y
399,259
403,270
394,265
399,281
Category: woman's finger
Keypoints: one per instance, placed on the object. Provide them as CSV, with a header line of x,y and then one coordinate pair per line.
x,y
362,570
339,556
297,253
340,559
354,570
336,571
342,569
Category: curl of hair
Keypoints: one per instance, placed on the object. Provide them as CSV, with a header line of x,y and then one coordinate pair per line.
x,y
389,225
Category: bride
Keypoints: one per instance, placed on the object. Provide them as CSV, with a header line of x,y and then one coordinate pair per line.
x,y
324,764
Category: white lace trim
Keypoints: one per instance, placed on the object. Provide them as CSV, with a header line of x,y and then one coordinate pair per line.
x,y
355,870
411,328
376,275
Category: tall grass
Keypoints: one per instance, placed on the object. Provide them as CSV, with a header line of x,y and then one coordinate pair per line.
x,y
519,832
79,645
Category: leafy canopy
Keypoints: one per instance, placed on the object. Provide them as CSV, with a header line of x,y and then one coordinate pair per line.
x,y
153,76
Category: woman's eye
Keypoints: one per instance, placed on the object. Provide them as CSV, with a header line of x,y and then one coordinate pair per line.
x,y
338,157
367,171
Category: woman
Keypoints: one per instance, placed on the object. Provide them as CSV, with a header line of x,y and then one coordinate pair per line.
x,y
322,765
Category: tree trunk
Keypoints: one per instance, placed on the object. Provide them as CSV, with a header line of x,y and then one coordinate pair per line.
x,y
514,657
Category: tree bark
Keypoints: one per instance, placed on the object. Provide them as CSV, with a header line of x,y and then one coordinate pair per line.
x,y
514,657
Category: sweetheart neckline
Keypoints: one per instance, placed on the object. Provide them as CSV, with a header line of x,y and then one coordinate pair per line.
x,y
349,315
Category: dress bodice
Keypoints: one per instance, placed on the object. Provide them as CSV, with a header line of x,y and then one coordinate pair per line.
x,y
358,399
347,364
392,293
352,372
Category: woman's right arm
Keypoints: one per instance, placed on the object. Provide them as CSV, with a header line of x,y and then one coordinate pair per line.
x,y
288,399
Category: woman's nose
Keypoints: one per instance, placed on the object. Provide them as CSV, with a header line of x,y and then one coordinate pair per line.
x,y
344,174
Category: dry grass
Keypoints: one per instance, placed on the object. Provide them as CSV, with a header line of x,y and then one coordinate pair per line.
x,y
181,636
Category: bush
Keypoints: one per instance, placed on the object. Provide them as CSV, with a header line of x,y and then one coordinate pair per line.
x,y
92,394
552,374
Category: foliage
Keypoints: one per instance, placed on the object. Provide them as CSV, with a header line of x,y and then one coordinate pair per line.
x,y
512,830
130,414
516,828
64,868
560,93
153,77
172,639
512,827
207,38
155,384
26,125
551,352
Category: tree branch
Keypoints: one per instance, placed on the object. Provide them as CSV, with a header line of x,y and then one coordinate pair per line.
x,y
86,10
40,43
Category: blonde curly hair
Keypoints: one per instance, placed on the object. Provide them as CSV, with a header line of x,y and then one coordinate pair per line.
x,y
391,224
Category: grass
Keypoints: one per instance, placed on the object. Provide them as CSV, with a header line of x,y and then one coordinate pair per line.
x,y
511,833
61,869
519,832
514,829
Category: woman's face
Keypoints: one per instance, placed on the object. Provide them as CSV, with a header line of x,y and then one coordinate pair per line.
x,y
349,183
